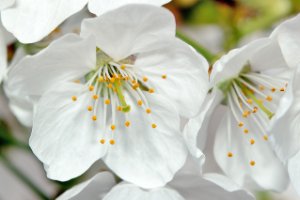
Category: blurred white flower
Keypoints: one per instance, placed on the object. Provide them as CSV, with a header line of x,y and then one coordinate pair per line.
x,y
251,84
118,83
31,20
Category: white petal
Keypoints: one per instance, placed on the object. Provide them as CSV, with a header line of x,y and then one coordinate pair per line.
x,y
30,21
186,82
230,138
132,192
195,131
262,55
3,56
6,3
68,58
286,122
193,187
143,155
99,7
287,35
294,171
64,136
93,188
130,29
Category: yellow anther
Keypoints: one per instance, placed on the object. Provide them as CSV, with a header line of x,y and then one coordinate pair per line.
x,y
246,131
269,98
252,141
77,81
133,81
164,76
230,154
252,163
119,108
94,117
110,85
151,90
91,88
107,101
102,141
90,108
116,76
113,127
261,87
112,80
140,102
101,79
255,109
123,67
282,89
154,125
135,86
112,142
241,124
273,89
266,138
246,113
250,101
148,111
127,123
145,79
74,98
95,97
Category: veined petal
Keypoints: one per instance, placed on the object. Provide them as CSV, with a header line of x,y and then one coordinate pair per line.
x,y
64,137
30,21
286,123
94,188
6,3
192,187
66,59
132,192
288,38
130,29
99,7
262,54
294,172
177,72
195,132
143,155
249,163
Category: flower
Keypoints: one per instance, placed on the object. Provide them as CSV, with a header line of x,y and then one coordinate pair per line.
x,y
250,92
185,186
30,20
115,92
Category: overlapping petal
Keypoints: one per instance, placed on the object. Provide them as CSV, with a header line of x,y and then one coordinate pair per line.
x,y
66,59
146,156
99,7
186,81
94,188
130,29
31,20
64,137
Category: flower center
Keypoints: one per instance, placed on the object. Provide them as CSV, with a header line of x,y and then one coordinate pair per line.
x,y
107,84
252,98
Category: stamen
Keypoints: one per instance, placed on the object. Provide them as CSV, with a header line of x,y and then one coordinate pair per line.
x,y
148,111
140,102
164,76
145,79
127,123
94,117
266,138
241,124
230,154
90,108
112,142
107,101
113,127
151,90
74,98
246,131
91,88
154,125
252,163
102,141
95,97
252,141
